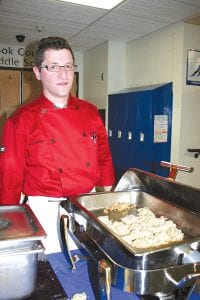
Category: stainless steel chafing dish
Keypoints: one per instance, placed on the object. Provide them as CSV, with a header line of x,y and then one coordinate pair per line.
x,y
159,271
20,245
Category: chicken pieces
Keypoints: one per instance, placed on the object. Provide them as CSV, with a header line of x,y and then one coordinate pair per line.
x,y
144,230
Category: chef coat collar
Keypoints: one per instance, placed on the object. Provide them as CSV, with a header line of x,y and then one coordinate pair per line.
x,y
47,104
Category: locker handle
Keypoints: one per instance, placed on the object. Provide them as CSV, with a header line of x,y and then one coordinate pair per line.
x,y
119,134
141,136
130,135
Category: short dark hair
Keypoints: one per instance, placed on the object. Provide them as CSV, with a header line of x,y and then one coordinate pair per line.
x,y
53,42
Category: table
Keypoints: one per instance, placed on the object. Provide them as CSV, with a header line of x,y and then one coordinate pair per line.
x,y
81,280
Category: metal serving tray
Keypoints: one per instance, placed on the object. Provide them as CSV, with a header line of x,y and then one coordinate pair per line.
x,y
185,220
18,223
85,210
20,235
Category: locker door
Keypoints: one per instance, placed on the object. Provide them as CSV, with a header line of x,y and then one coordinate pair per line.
x,y
117,131
131,143
161,129
144,130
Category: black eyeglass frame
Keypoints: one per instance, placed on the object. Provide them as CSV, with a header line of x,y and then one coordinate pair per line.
x,y
56,68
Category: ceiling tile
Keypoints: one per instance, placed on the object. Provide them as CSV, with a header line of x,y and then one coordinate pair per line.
x,y
86,27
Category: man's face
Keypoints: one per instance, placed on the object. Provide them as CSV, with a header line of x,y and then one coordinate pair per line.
x,y
56,85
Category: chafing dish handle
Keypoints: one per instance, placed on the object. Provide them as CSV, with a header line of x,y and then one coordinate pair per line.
x,y
104,269
187,278
64,227
175,168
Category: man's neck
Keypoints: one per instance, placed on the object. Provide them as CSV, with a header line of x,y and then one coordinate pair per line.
x,y
58,102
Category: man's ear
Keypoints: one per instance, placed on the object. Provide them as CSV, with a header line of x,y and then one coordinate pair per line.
x,y
37,73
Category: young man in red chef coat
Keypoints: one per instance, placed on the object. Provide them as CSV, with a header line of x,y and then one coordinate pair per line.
x,y
57,145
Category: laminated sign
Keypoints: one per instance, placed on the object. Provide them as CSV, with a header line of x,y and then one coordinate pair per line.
x,y
193,67
160,128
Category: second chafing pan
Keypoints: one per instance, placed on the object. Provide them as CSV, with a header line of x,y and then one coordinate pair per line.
x,y
20,244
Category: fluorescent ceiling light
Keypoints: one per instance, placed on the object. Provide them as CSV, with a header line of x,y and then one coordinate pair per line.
x,y
105,4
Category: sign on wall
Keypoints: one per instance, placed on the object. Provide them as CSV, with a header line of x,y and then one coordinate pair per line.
x,y
160,128
193,67
16,57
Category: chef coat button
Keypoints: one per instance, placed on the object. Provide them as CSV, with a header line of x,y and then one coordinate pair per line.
x,y
43,110
84,134
87,164
52,141
60,170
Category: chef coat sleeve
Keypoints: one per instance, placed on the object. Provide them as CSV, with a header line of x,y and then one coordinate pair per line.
x,y
12,159
105,163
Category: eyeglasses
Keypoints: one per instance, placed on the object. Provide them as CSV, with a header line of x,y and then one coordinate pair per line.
x,y
56,68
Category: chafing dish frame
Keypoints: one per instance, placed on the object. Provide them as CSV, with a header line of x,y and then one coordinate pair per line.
x,y
140,270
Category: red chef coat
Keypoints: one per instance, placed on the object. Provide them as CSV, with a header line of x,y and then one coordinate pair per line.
x,y
56,152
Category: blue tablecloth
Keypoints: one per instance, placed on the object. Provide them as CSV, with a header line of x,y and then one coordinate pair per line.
x,y
80,280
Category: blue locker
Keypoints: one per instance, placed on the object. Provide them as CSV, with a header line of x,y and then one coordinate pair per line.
x,y
117,129
135,148
143,129
140,121
162,106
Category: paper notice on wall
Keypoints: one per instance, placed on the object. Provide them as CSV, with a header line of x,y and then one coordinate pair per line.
x,y
160,128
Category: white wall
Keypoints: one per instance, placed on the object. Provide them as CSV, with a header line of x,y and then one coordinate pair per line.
x,y
190,111
116,66
95,75
109,60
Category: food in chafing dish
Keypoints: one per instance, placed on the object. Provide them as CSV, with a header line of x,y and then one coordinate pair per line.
x,y
118,206
144,230
79,296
